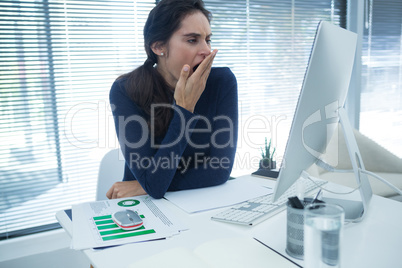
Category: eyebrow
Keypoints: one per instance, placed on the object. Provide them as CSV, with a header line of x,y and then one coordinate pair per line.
x,y
195,35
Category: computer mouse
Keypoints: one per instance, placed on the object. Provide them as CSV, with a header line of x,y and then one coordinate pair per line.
x,y
127,219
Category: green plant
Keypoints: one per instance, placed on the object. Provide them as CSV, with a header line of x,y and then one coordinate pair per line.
x,y
266,154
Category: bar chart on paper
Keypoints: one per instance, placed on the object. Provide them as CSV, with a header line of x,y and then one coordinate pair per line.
x,y
108,230
93,226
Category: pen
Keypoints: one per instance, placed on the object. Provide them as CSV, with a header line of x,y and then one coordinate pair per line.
x,y
316,197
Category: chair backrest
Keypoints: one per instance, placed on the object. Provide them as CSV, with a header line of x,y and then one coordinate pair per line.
x,y
111,170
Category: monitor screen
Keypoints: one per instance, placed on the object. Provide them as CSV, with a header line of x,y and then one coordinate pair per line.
x,y
323,92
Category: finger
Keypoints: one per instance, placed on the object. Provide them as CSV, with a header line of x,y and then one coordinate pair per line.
x,y
207,61
115,192
181,83
109,193
207,64
212,56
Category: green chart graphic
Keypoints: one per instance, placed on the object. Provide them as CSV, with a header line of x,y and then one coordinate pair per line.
x,y
108,230
128,203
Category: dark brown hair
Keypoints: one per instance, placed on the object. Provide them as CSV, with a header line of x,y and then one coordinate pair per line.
x,y
145,85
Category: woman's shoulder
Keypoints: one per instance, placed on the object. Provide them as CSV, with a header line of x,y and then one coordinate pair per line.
x,y
222,77
119,84
118,92
222,73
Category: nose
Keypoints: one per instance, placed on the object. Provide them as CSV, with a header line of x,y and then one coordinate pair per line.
x,y
205,49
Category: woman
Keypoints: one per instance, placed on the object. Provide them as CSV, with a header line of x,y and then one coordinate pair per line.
x,y
175,116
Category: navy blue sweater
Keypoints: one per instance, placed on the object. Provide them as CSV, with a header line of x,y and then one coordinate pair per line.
x,y
198,149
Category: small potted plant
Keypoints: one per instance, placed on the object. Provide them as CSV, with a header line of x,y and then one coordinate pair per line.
x,y
267,161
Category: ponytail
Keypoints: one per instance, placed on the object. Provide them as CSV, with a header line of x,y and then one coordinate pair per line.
x,y
146,86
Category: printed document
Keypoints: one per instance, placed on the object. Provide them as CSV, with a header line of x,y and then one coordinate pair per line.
x,y
93,225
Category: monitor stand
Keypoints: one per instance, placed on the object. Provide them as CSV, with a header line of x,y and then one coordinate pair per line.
x,y
354,210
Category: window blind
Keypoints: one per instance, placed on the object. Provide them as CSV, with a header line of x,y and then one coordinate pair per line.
x,y
59,59
58,62
267,45
381,97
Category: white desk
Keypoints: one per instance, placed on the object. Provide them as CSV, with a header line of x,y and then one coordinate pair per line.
x,y
374,242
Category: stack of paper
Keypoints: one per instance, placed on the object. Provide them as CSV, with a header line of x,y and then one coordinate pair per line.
x,y
93,225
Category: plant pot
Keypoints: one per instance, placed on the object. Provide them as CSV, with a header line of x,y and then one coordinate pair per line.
x,y
267,164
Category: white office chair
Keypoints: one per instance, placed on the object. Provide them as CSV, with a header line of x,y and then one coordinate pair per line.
x,y
376,159
111,170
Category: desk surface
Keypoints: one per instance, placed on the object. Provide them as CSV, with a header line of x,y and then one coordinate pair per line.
x,y
374,242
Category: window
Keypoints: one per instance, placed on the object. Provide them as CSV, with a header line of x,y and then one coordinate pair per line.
x,y
58,62
59,59
267,45
381,97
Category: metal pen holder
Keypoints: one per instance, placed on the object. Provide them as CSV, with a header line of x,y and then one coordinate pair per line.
x,y
295,232
295,229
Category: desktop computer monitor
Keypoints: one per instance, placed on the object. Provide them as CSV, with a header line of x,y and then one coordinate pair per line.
x,y
319,109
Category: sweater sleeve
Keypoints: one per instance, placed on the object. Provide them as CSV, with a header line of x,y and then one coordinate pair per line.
x,y
215,168
153,166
